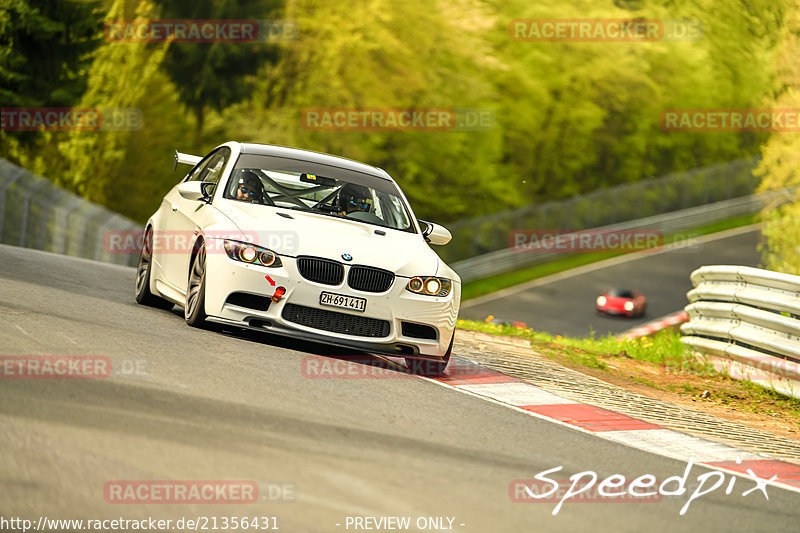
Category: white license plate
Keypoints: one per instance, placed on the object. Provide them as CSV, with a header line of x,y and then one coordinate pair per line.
x,y
345,302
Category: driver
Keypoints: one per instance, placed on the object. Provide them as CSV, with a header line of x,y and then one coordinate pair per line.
x,y
249,188
354,197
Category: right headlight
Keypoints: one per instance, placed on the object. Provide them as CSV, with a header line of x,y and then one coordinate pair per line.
x,y
429,286
601,301
252,254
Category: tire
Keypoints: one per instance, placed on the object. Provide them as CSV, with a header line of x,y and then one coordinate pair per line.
x,y
194,311
430,368
143,269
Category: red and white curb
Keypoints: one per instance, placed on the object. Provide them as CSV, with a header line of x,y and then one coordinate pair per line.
x,y
656,325
520,395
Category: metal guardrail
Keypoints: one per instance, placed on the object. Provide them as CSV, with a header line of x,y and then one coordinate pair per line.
x,y
629,201
508,259
746,321
35,213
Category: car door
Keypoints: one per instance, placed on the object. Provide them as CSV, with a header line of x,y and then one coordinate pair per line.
x,y
186,218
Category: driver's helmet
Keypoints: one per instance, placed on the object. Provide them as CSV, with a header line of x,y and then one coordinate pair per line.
x,y
250,185
354,197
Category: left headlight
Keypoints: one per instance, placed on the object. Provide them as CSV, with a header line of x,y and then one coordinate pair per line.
x,y
628,306
429,286
251,254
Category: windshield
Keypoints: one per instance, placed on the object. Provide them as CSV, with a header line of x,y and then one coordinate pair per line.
x,y
321,189
621,293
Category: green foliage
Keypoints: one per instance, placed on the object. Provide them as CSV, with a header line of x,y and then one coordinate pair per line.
x,y
87,161
389,54
149,152
45,49
592,109
781,159
662,347
570,117
216,74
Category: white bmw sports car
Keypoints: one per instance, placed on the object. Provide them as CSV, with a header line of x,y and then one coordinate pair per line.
x,y
301,244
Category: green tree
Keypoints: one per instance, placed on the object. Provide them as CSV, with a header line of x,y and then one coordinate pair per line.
x,y
86,161
781,160
45,49
389,54
216,75
570,116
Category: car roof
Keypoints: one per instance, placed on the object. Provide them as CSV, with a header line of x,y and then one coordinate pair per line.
x,y
622,293
314,157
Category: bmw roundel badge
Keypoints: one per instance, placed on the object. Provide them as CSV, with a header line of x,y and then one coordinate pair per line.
x,y
347,257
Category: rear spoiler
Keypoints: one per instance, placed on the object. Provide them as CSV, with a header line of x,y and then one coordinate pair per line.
x,y
186,159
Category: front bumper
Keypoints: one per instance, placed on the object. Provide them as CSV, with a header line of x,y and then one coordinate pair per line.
x,y
616,312
225,276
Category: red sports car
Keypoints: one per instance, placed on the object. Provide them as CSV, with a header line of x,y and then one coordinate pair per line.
x,y
621,302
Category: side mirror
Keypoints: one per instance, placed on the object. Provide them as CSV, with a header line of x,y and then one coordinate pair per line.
x,y
194,190
434,233
208,189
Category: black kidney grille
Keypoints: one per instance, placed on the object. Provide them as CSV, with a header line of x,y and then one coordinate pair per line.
x,y
321,270
323,319
369,279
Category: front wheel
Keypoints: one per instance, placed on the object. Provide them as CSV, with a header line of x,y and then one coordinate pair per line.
x,y
145,266
430,368
195,309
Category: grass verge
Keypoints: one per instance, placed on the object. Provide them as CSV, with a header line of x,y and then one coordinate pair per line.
x,y
661,366
476,288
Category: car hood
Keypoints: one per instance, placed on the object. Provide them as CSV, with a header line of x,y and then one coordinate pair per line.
x,y
405,254
618,300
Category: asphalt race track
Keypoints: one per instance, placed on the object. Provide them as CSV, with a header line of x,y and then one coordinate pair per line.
x,y
225,405
564,304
